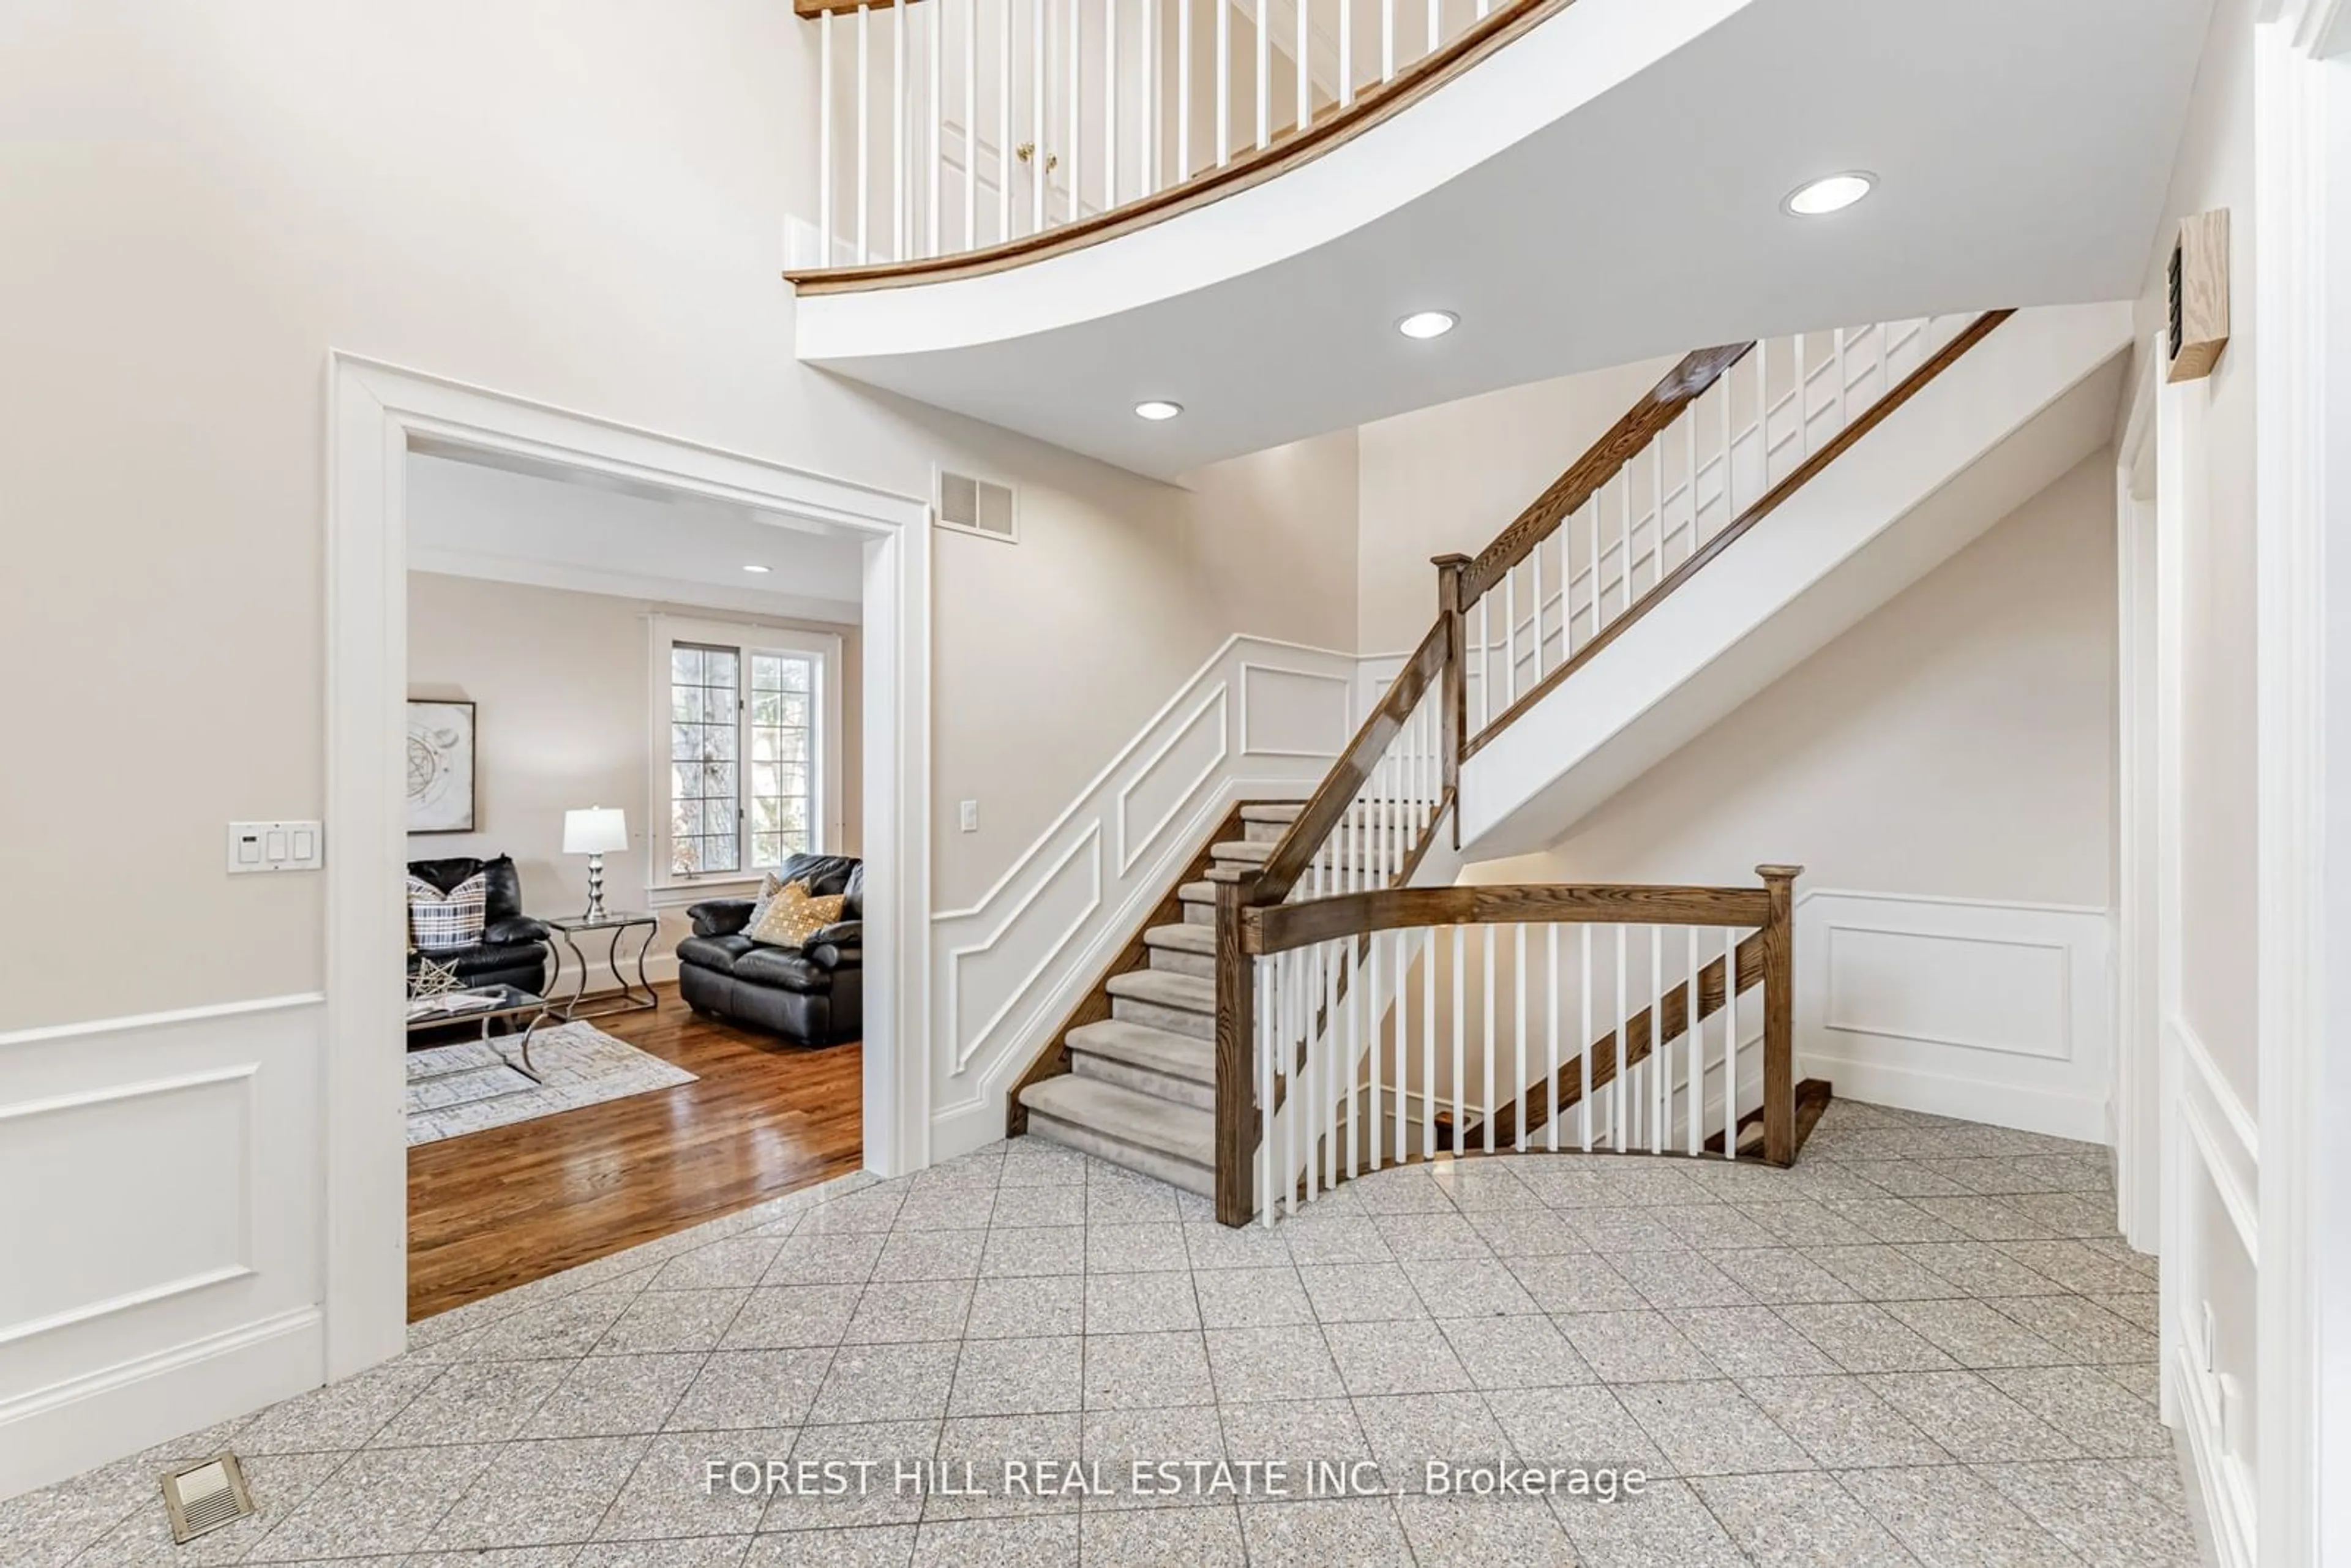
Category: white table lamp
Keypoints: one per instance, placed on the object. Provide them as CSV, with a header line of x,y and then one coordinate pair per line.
x,y
595,831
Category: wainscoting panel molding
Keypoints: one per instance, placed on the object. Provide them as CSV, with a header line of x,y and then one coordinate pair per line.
x,y
1997,1012
161,1220
1260,720
2211,1277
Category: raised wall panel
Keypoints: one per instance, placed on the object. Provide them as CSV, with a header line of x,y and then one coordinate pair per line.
x,y
161,1229
1291,712
1170,779
1994,1012
986,979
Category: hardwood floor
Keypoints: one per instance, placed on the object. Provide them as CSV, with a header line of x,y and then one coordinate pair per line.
x,y
492,1210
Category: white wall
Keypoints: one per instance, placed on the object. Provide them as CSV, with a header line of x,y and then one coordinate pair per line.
x,y
1451,477
561,720
1943,772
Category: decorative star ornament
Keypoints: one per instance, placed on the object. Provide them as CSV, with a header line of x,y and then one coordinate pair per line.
x,y
433,980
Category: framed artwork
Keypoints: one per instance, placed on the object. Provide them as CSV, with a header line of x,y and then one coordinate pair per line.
x,y
440,767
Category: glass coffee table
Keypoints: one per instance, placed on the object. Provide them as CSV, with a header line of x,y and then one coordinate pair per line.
x,y
491,1004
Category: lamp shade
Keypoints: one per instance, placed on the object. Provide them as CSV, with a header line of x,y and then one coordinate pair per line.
x,y
595,830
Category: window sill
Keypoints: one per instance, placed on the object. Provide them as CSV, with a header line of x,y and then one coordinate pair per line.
x,y
677,896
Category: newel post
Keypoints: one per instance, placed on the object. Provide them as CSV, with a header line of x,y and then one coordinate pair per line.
x,y
1449,609
1235,1065
1780,1014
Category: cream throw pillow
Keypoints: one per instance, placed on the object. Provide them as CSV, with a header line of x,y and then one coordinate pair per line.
x,y
794,916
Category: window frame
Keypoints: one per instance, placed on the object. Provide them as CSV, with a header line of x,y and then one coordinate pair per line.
x,y
827,824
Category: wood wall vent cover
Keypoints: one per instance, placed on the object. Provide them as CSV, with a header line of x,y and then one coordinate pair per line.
x,y
976,507
2195,286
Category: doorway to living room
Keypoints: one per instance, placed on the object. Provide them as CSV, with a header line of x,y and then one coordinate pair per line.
x,y
628,743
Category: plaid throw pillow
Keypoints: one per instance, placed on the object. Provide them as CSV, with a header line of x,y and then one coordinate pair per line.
x,y
450,922
794,917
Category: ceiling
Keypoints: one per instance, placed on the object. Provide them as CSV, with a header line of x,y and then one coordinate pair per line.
x,y
1605,189
563,528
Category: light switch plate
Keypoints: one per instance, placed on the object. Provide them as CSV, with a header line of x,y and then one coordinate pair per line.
x,y
275,846
967,816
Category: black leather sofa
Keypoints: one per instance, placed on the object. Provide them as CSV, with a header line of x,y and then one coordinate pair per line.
x,y
514,949
812,997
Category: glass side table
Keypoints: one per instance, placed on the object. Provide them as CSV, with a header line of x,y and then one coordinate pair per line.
x,y
626,997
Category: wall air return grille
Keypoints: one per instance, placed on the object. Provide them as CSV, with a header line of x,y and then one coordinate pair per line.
x,y
976,507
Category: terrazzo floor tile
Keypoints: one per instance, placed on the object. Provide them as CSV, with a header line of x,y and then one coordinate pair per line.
x,y
1978,1269
1519,1352
1975,1335
871,1495
2081,1330
1206,1537
1364,1532
1665,1527
1863,1337
1131,1247
930,1255
1125,1371
1034,1207
339,1416
862,1546
609,1394
1403,1357
672,1494
1298,1433
1314,1240
1156,1437
707,1551
1290,1361
1970,1419
1520,1533
1842,1423
554,1330
1775,1274
1125,1199
539,1492
1799,1521
1420,1236
486,1402
1358,1292
787,1317
1040,1250
1950,1518
1711,1428
1026,1307
1251,1298
2099,1513
1631,1347
1574,1427
378,1500
886,1382
1467,1287
1009,1376
2088,1407
1752,1342
744,1390
902,1311
742,1261
673,1320
1020,1541
825,1257
1575,1282
1005,1464
1668,1280
1140,1303
1527,1233
1882,1272
279,1483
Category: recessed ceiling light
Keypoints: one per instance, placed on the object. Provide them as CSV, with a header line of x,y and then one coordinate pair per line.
x,y
759,568
1830,194
1158,408
1428,323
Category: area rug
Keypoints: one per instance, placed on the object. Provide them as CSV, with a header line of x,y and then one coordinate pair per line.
x,y
473,1085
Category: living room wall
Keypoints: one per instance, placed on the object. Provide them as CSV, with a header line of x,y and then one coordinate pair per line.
x,y
558,679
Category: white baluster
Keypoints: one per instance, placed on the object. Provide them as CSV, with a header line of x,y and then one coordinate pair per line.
x,y
1837,346
1597,497
1148,44
1387,40
1730,1045
1077,110
1003,122
1551,1037
1689,464
1402,941
1361,1020
1693,1035
1183,88
1371,1133
1509,636
1110,104
1493,1101
971,126
1661,1082
1224,81
1656,511
864,13
1624,541
1428,1047
1435,18
1803,405
1460,1040
1264,75
1293,1010
1346,54
1518,1058
1041,206
1583,1043
1730,505
1303,86
825,136
1485,666
1268,1033
935,64
898,177
1534,576
1617,1084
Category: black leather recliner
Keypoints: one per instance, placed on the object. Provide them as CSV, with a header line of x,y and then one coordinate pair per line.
x,y
513,950
815,996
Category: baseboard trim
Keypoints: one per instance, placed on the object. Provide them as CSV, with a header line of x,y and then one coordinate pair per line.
x,y
2219,1479
53,1433
1969,1099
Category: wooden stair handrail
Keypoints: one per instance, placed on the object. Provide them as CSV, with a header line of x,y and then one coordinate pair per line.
x,y
1279,928
1861,424
1624,440
1329,803
1374,104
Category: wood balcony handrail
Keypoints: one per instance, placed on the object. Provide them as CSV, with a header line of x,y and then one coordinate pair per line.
x,y
1829,451
1279,928
1329,803
1625,440
1374,104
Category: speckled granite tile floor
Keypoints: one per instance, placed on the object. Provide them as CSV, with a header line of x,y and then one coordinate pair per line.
x,y
1924,1346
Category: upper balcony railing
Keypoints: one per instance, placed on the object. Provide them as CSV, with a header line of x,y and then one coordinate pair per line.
x,y
956,136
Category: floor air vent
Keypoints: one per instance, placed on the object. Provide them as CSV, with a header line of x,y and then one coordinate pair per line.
x,y
205,1497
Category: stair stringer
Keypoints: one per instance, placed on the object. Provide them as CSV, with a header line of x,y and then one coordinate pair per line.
x,y
2007,418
